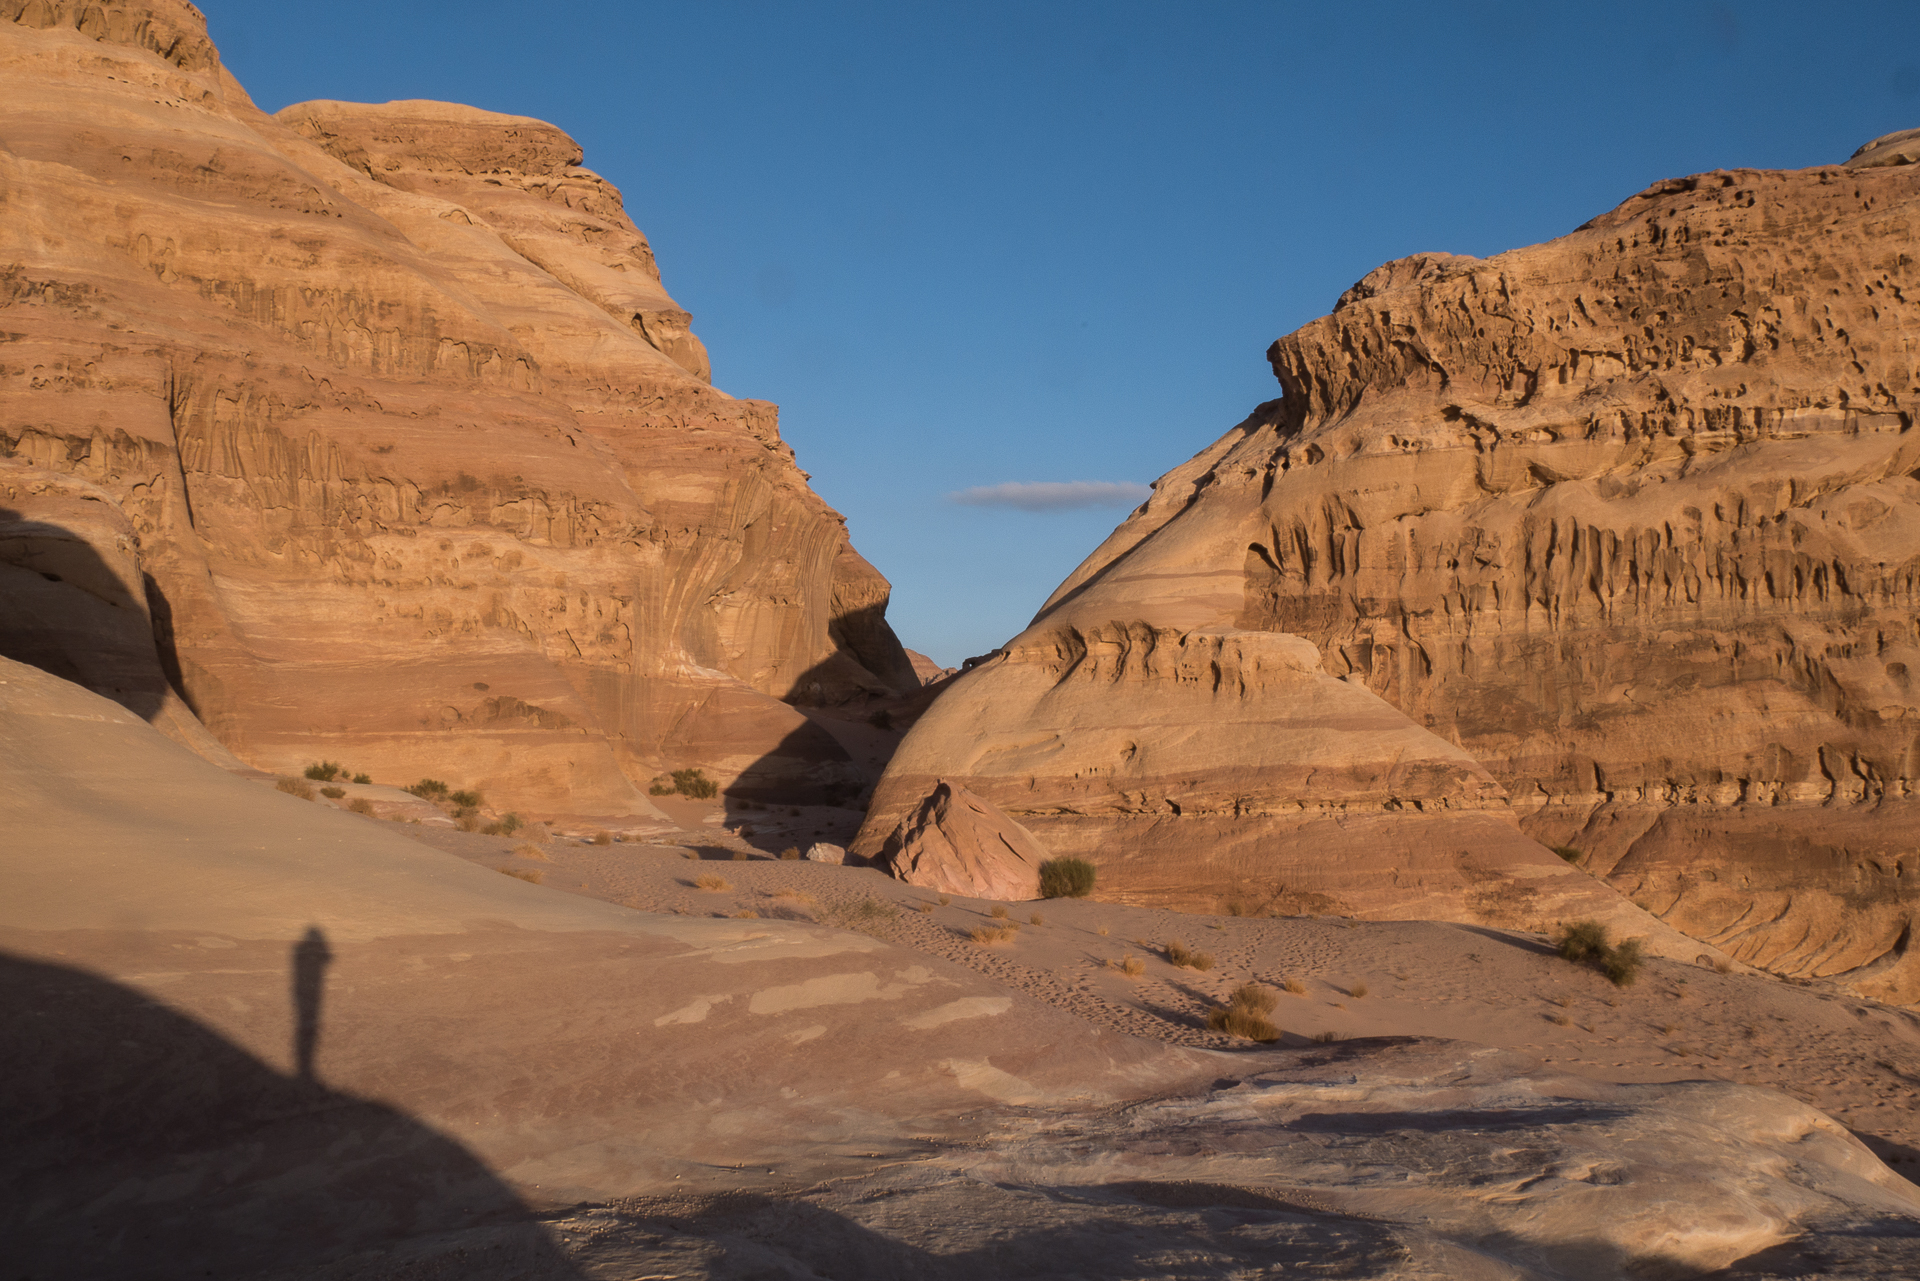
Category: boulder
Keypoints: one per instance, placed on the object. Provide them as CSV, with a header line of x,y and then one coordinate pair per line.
x,y
960,843
822,852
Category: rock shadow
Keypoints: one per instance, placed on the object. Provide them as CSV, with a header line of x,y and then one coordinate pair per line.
x,y
73,615
137,1143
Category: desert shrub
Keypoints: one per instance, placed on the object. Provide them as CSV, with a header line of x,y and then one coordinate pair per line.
x,y
1585,942
790,854
1066,878
296,787
945,899
987,934
1561,1020
1182,955
324,771
468,822
1566,852
1622,964
661,789
603,838
1131,966
695,783
508,824
1295,986
746,914
1582,941
923,906
333,793
1327,1038
999,912
1103,931
798,896
865,916
533,852
429,789
1242,1020
1254,997
1358,989
1036,919
709,881
531,875
882,719
466,800
741,856
360,805
363,779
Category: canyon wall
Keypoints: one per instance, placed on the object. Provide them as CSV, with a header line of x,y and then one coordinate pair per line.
x,y
370,432
1630,518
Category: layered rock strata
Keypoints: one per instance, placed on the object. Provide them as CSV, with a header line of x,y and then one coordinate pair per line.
x,y
381,421
1631,517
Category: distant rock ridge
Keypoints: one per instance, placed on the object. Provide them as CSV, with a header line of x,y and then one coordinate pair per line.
x,y
1630,519
380,419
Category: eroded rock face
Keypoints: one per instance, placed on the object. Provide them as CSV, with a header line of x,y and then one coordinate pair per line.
x,y
1631,517
381,417
956,842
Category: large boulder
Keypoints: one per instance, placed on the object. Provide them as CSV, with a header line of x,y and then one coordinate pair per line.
x,y
959,843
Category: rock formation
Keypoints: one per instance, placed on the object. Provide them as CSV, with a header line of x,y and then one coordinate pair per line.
x,y
956,842
1630,518
250,1036
380,421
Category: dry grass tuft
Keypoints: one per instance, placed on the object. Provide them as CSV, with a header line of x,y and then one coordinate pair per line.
x,y
1722,965
531,875
923,906
1327,1038
1103,931
945,899
603,838
746,914
988,934
798,896
692,854
468,823
1180,954
333,793
1295,986
999,912
741,856
1036,919
790,854
533,852
361,805
1131,966
716,884
295,787
1236,1019
1560,1020
1255,997
1358,989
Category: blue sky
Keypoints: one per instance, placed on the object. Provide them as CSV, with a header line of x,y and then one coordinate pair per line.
x,y
999,245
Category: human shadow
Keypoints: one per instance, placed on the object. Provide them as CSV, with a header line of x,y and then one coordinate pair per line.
x,y
137,1143
73,615
311,956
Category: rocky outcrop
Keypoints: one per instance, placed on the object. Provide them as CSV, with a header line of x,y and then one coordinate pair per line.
x,y
380,419
958,843
1632,517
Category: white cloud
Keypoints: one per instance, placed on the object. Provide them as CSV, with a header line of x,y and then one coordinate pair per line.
x,y
1054,495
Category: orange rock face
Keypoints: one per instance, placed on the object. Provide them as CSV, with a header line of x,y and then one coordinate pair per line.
x,y
381,420
957,842
1631,517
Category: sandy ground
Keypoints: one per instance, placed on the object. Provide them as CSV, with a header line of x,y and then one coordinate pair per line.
x,y
1856,1060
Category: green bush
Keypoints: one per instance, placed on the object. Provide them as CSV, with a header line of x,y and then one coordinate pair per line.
x,y
1566,852
363,778
695,783
662,789
466,800
333,793
1066,878
325,771
1585,942
505,826
429,789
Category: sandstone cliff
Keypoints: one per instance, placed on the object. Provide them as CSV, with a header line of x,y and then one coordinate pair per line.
x,y
381,420
1632,517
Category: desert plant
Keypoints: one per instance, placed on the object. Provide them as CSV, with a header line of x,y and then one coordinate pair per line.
x,y
661,789
1561,1020
999,912
333,793
295,787
1131,966
864,916
1103,931
360,805
1066,878
1566,852
466,799
709,881
741,856
923,906
1622,964
882,719
603,837
1358,989
324,771
1242,1020
695,783
746,914
531,875
468,822
1295,986
1254,997
533,852
429,789
1180,954
798,896
1328,1037
1036,919
790,854
1582,941
363,779
987,934
945,899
